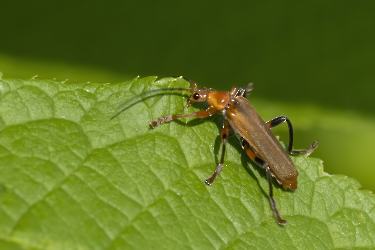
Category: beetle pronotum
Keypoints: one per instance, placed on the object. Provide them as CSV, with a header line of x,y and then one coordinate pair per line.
x,y
257,139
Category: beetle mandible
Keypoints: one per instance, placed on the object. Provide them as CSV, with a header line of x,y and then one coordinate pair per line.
x,y
259,143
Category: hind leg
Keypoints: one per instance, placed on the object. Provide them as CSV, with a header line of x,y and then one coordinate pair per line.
x,y
264,165
278,120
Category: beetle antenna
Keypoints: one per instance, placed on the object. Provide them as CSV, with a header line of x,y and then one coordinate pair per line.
x,y
127,104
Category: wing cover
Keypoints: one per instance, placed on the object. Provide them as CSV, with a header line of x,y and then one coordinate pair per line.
x,y
245,121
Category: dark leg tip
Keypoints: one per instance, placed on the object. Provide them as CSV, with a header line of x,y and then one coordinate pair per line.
x,y
208,182
281,221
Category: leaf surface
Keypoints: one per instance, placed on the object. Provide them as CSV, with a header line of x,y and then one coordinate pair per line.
x,y
73,178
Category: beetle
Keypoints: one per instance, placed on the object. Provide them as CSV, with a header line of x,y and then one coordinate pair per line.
x,y
257,139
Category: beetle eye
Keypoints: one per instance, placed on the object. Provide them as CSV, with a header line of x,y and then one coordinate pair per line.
x,y
196,96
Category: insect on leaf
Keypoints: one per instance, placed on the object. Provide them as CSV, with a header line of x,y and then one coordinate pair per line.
x,y
73,178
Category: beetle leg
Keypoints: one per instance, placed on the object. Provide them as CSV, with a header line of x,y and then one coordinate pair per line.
x,y
244,92
224,138
199,114
278,120
307,151
248,89
264,165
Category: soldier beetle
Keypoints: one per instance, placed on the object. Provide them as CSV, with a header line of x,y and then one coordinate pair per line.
x,y
259,143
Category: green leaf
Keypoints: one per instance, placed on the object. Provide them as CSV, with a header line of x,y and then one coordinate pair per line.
x,y
73,178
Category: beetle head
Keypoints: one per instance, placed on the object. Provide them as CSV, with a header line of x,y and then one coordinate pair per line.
x,y
198,95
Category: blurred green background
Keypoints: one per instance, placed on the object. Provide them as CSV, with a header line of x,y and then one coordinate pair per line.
x,y
312,61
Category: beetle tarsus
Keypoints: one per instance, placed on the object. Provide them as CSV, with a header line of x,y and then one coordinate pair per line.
x,y
308,151
276,212
272,200
217,171
161,120
166,118
210,180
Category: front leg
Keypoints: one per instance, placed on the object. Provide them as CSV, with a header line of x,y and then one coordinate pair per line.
x,y
199,114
